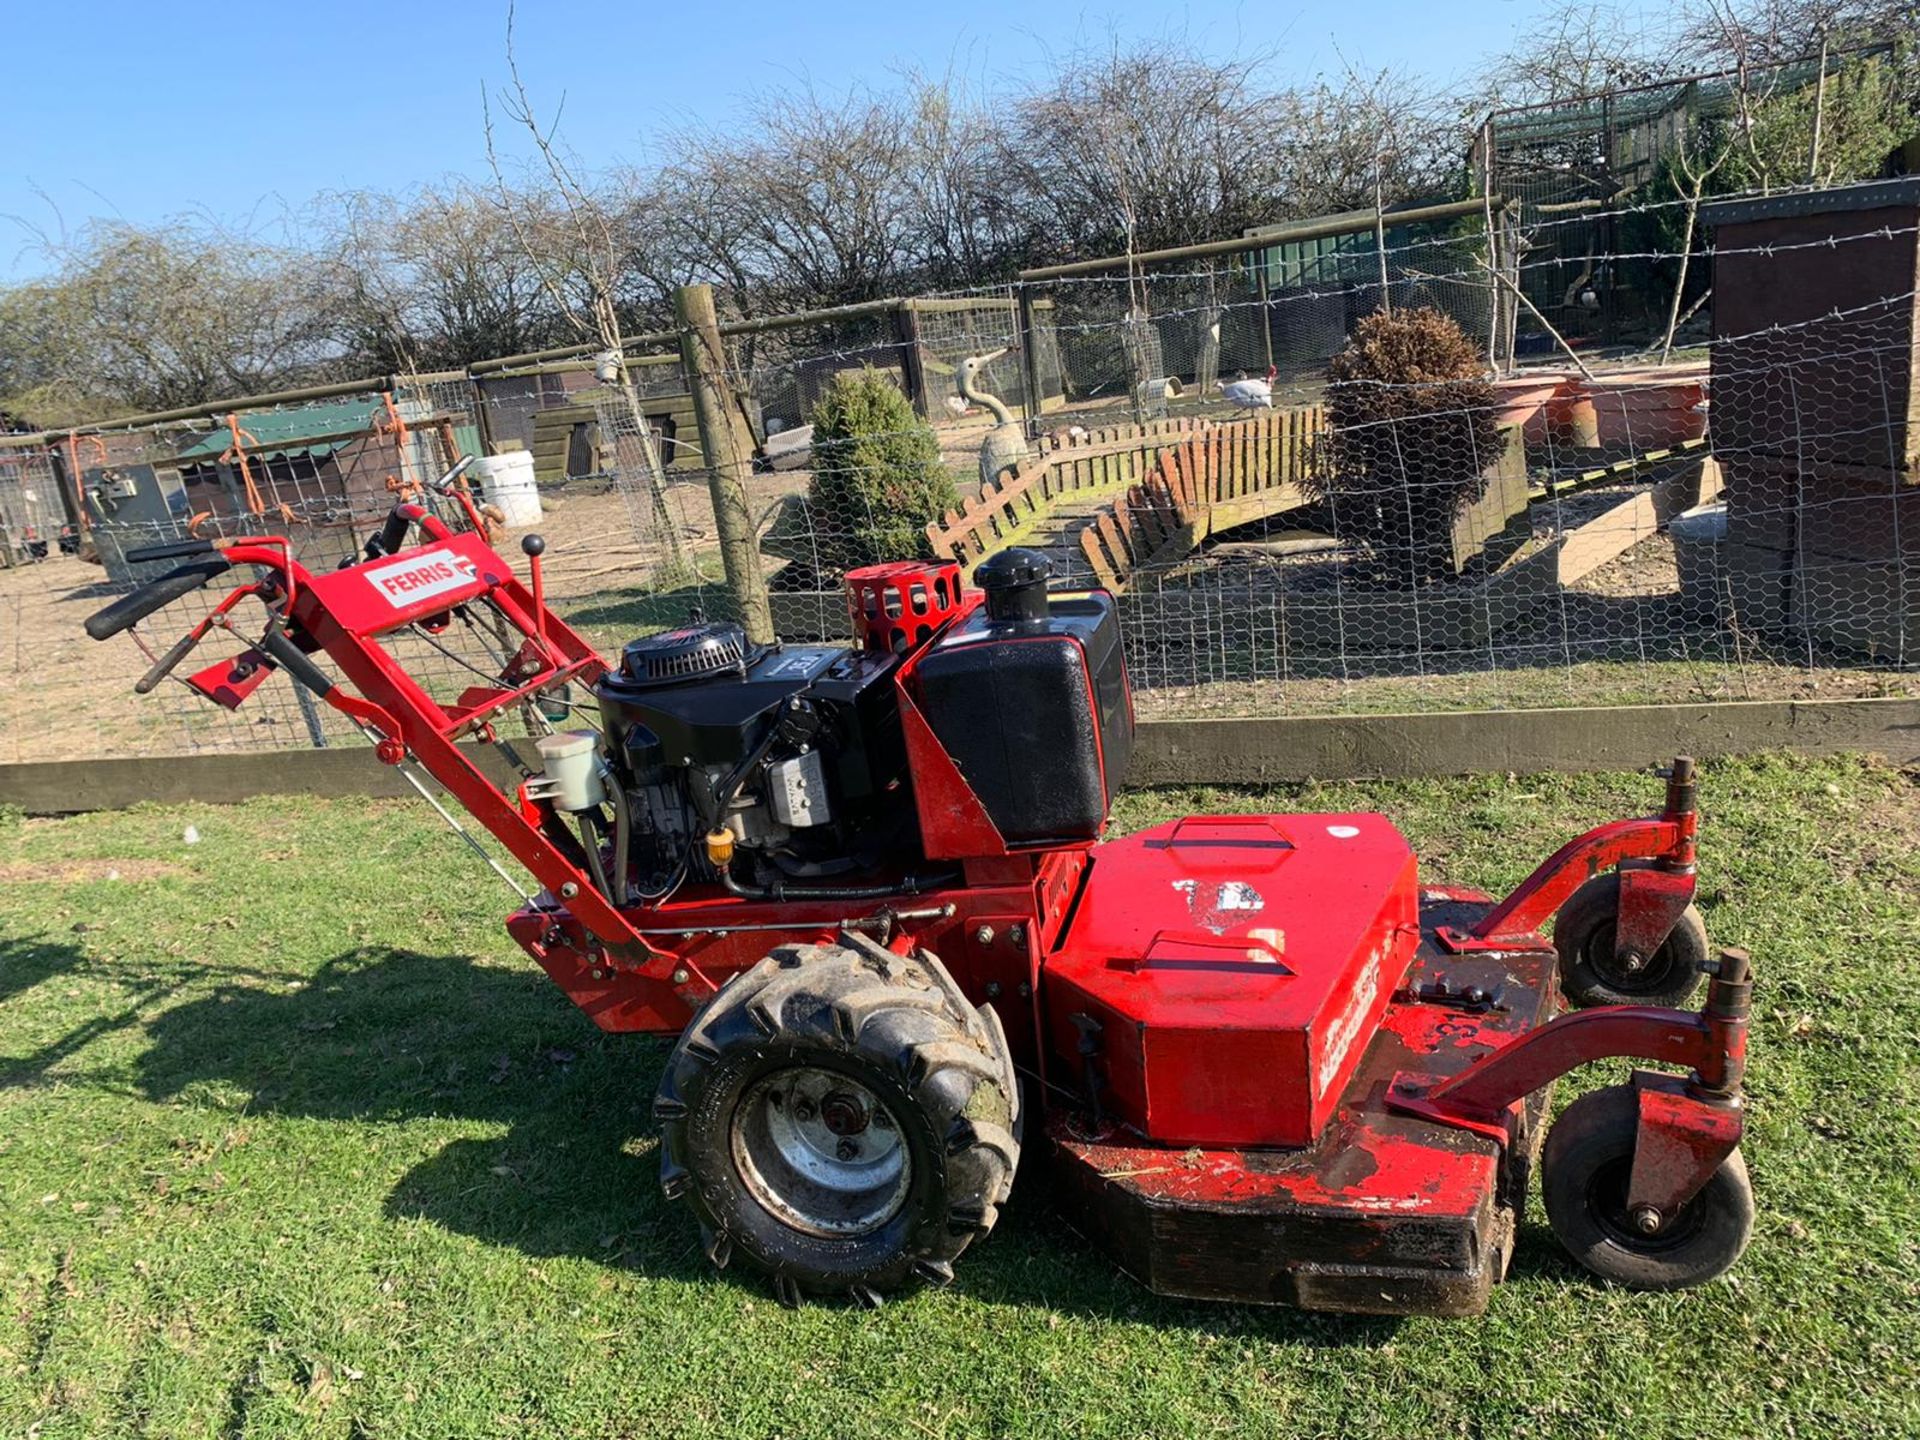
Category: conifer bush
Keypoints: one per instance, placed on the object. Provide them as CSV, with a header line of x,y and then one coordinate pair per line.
x,y
878,480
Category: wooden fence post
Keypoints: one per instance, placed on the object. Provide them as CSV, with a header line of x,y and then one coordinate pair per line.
x,y
729,455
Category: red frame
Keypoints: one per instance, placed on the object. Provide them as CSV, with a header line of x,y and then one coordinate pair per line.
x,y
650,967
1652,896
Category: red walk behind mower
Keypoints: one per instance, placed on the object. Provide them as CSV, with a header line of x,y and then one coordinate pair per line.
x,y
868,890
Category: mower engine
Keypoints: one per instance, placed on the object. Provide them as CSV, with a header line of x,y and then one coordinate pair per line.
x,y
797,753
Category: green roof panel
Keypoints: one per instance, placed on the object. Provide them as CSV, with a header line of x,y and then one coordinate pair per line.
x,y
301,431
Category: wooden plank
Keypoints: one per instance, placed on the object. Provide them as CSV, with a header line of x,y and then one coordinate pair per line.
x,y
1241,750
1096,557
1618,529
1109,531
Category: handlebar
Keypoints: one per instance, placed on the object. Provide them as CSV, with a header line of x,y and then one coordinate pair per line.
x,y
459,468
164,666
169,550
393,533
129,610
292,659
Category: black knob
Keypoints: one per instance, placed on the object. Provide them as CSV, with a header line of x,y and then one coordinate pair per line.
x,y
532,545
1016,585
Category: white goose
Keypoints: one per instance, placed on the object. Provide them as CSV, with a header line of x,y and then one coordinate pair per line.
x,y
1248,394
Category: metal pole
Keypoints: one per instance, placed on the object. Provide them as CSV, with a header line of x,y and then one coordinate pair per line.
x,y
1030,363
310,713
1493,246
1819,105
729,455
1380,240
1266,235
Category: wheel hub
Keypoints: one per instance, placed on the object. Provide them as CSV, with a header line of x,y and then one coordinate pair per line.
x,y
821,1152
843,1114
1630,972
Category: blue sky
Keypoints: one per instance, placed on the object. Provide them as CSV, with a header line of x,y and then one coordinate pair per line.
x,y
247,111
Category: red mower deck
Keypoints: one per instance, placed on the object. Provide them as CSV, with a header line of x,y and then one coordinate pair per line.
x,y
1384,1212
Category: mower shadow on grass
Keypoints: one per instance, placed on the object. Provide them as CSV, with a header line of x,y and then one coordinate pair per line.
x,y
379,1036
29,961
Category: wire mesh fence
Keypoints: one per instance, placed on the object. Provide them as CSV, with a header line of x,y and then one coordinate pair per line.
x,y
1738,522
1598,184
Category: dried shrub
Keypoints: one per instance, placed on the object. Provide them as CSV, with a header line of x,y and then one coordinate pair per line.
x,y
1412,434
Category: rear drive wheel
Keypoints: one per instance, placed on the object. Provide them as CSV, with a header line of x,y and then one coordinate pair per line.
x,y
1585,1168
841,1118
1591,974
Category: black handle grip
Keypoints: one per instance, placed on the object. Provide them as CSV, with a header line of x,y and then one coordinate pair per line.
x,y
131,609
393,535
292,659
163,667
169,550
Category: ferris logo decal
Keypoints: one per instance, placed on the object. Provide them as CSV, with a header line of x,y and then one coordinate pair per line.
x,y
407,582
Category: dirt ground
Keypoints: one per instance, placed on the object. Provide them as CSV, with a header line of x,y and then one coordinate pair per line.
x,y
64,696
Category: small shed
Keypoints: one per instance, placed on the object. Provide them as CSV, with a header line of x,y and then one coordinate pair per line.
x,y
1816,411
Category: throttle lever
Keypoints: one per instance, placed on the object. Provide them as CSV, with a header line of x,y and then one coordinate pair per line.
x,y
164,666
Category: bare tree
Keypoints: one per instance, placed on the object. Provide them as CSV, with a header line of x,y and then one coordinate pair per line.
x,y
1575,50
135,318
436,280
1748,34
571,237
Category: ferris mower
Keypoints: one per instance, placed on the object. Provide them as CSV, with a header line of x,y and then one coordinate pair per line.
x,y
868,890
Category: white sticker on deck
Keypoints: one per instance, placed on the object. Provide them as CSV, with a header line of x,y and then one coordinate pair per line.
x,y
420,577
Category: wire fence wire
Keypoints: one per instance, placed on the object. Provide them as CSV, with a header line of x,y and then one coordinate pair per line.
x,y
1738,522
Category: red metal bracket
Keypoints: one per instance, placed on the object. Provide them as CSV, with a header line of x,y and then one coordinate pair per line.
x,y
1668,838
1652,901
1681,1141
1712,1044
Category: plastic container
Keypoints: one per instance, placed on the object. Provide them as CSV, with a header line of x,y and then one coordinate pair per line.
x,y
1640,410
1523,397
1699,542
572,763
507,481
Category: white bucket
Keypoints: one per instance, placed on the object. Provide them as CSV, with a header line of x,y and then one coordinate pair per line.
x,y
507,481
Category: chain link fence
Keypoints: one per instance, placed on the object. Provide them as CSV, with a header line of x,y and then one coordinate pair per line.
x,y
1736,523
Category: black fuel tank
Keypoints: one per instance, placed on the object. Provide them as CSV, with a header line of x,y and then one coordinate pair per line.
x,y
1035,712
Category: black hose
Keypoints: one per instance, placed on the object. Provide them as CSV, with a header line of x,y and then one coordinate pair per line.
x,y
590,836
621,821
907,885
723,797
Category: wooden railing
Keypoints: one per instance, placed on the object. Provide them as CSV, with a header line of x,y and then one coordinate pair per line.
x,y
1070,463
1229,474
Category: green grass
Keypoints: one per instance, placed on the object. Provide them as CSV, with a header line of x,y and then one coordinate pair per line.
x,y
293,1142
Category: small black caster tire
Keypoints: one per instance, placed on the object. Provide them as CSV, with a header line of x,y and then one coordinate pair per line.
x,y
1591,975
841,1118
1584,1170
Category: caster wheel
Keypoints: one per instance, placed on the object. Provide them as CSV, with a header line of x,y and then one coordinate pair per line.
x,y
1590,974
1585,1167
840,1118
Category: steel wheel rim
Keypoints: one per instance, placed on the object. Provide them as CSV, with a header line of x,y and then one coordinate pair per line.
x,y
821,1152
1607,1204
1598,953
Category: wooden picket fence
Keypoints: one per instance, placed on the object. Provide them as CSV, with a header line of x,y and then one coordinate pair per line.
x,y
1071,465
1228,475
